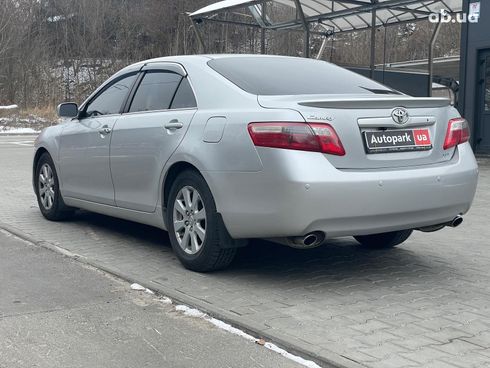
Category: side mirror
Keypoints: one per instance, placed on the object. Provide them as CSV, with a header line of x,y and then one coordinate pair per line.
x,y
68,110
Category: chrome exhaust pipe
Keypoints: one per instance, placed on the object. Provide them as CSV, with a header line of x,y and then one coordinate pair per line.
x,y
458,220
311,240
455,222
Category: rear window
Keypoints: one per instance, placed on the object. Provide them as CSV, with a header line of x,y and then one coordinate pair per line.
x,y
293,76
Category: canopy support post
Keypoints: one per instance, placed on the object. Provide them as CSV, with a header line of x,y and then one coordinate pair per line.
x,y
384,51
431,57
263,49
307,44
306,26
262,41
373,44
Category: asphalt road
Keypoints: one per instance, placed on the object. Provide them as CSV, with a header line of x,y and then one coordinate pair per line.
x,y
55,312
425,304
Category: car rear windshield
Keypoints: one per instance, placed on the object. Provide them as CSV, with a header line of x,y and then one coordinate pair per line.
x,y
273,76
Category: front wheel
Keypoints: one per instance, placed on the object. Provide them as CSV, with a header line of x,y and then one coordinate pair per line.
x,y
197,234
385,240
48,191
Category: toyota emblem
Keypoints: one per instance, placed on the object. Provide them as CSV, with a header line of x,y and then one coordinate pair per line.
x,y
400,115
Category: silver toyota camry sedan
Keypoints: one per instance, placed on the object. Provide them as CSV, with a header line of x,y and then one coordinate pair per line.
x,y
220,149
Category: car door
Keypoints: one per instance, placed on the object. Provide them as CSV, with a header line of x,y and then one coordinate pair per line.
x,y
145,137
85,144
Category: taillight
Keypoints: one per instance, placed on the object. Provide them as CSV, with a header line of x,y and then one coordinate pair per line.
x,y
315,137
458,131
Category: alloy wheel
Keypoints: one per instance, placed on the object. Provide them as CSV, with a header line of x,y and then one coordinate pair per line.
x,y
189,219
46,187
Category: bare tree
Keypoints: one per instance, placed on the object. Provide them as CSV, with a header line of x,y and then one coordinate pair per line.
x,y
52,50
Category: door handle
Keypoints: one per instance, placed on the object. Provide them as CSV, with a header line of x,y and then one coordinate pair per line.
x,y
174,125
105,130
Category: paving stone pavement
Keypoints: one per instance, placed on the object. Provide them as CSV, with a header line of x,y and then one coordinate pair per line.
x,y
425,304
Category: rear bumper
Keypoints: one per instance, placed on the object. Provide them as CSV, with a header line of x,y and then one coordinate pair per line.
x,y
300,192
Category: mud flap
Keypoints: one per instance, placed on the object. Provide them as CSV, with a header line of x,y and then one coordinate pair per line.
x,y
225,239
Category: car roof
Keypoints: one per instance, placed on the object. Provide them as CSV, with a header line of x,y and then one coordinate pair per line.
x,y
206,57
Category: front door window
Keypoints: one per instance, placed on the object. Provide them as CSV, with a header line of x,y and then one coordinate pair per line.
x,y
110,101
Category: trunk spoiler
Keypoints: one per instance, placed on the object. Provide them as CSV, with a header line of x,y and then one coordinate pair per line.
x,y
378,102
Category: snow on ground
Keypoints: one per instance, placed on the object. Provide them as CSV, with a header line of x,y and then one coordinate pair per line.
x,y
8,130
138,287
9,107
12,123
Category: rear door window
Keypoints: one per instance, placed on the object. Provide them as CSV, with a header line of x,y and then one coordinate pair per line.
x,y
156,91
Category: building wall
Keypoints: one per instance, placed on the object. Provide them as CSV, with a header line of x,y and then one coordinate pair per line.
x,y
474,37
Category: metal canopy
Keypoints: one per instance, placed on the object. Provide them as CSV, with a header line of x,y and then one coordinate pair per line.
x,y
327,17
336,15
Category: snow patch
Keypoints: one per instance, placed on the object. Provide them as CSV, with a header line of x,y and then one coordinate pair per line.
x,y
8,130
58,18
165,300
9,107
191,312
294,358
138,287
229,328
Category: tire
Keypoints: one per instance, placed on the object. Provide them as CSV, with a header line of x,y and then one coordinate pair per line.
x,y
385,240
197,252
48,192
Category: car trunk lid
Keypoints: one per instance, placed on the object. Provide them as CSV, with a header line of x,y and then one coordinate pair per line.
x,y
359,118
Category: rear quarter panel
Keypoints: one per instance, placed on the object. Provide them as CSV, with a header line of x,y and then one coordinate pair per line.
x,y
235,151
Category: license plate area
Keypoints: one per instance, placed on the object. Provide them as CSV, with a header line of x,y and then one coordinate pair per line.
x,y
406,140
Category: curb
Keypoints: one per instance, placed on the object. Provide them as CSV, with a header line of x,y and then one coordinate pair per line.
x,y
324,358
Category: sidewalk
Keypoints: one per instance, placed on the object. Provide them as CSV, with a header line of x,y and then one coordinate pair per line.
x,y
54,312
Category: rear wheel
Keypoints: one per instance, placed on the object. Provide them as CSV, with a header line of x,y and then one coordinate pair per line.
x,y
48,191
385,240
197,235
